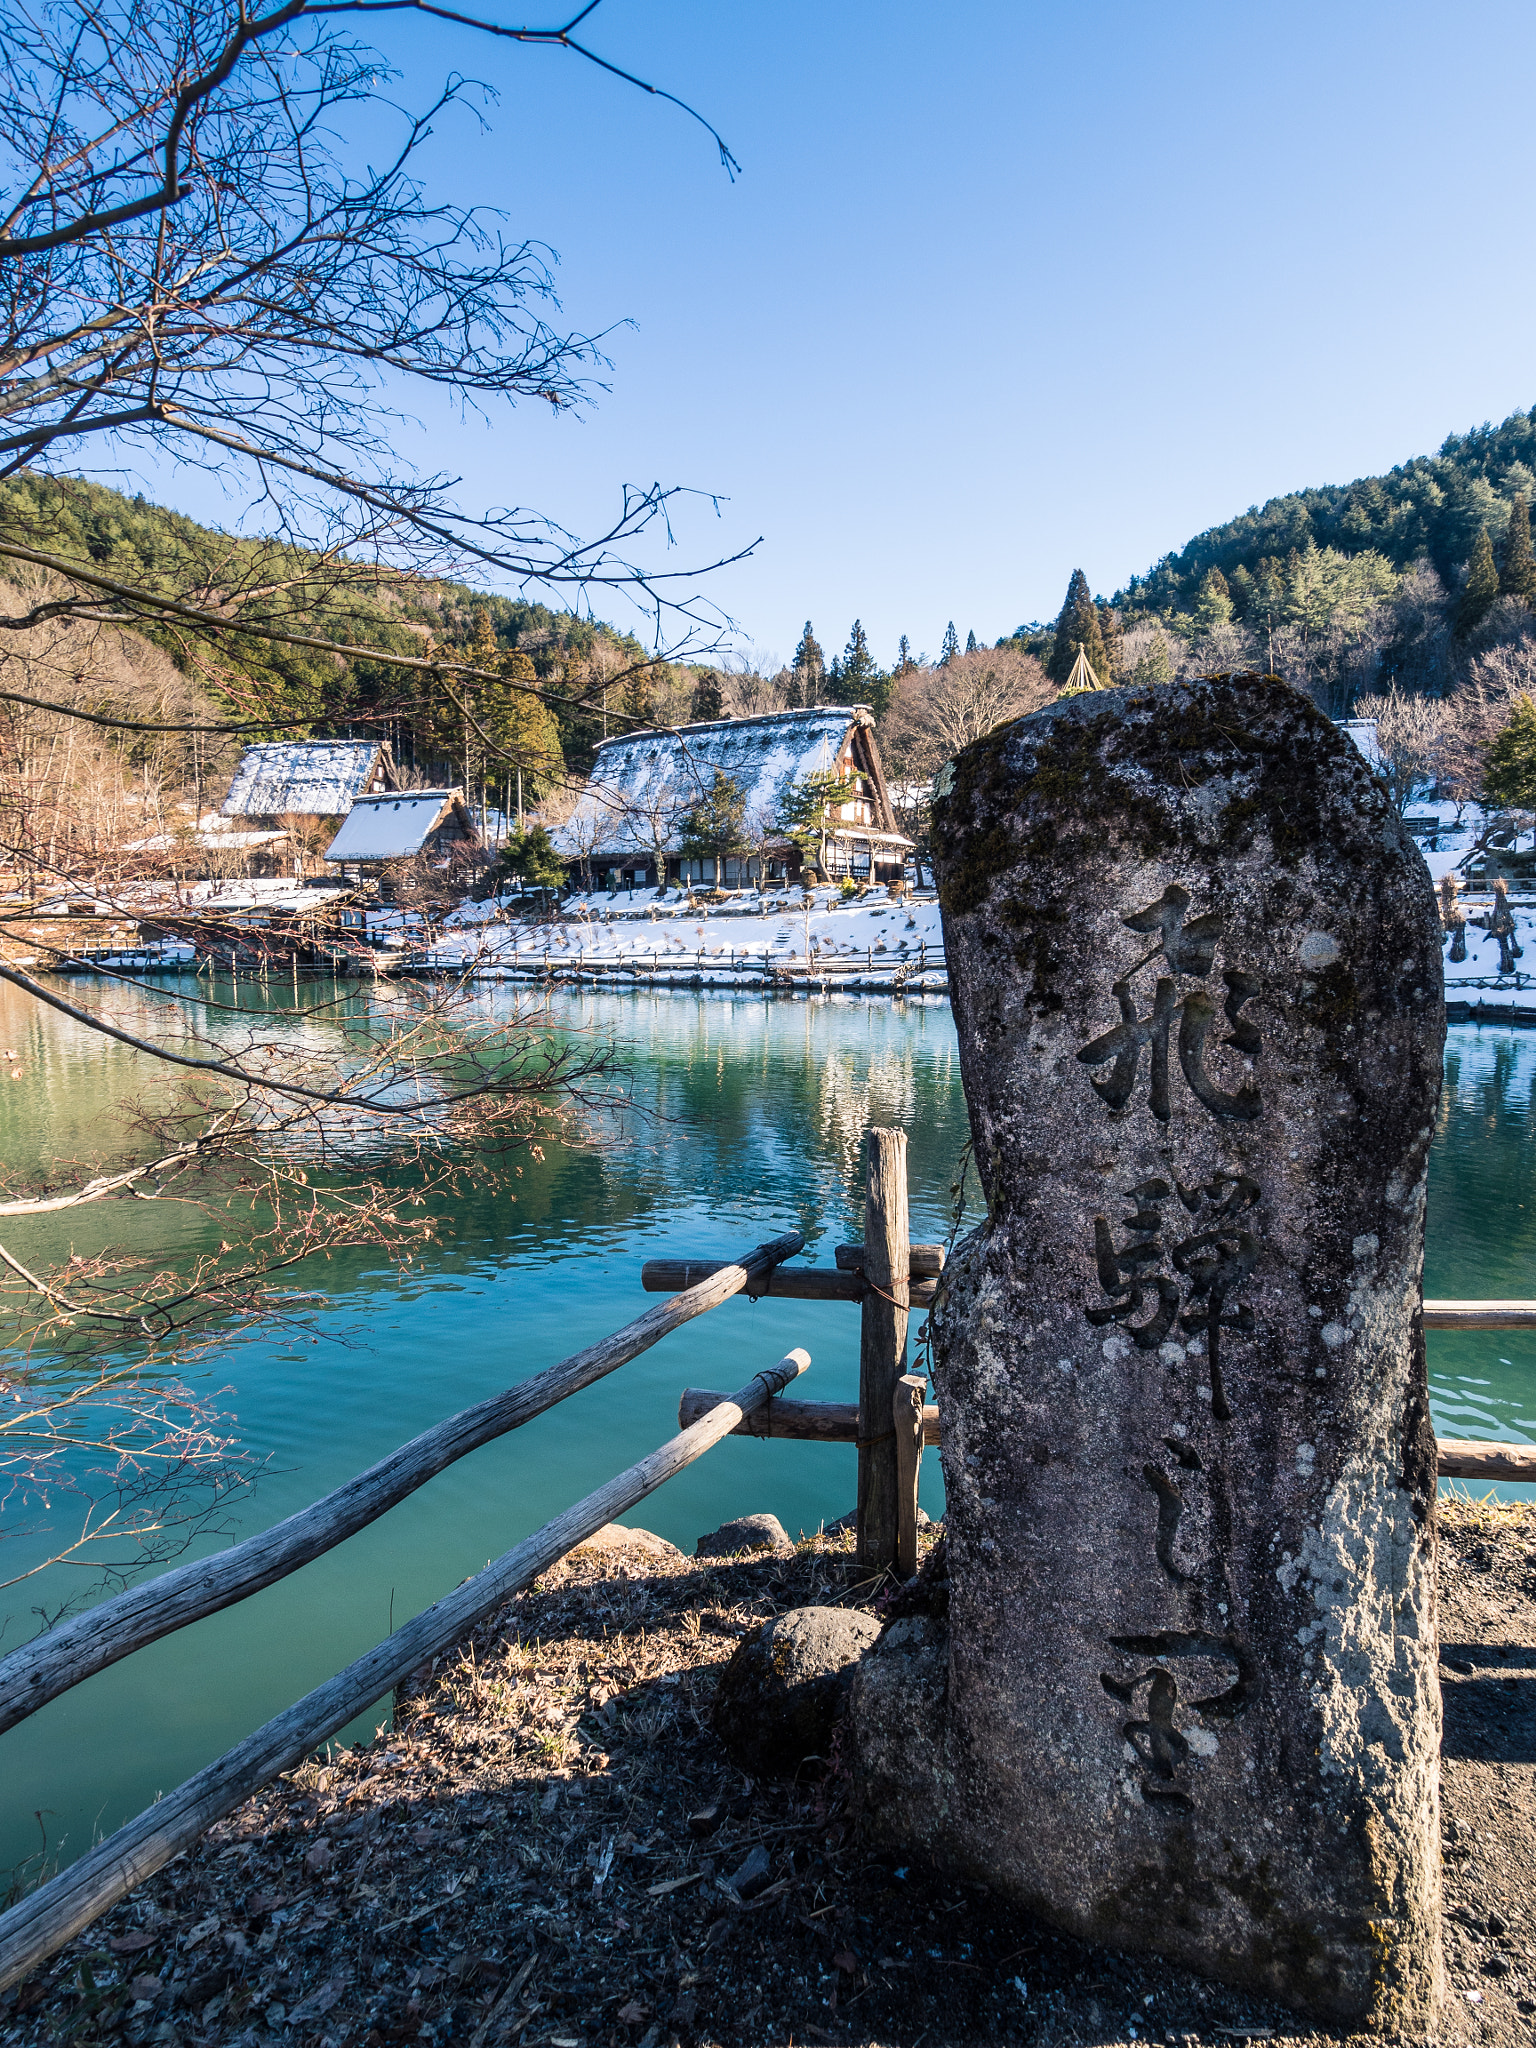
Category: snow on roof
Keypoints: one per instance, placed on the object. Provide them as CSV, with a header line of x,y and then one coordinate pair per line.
x,y
391,825
322,778
642,785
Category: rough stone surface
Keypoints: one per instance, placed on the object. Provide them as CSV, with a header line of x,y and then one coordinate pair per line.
x,y
613,1538
747,1532
785,1686
1190,1702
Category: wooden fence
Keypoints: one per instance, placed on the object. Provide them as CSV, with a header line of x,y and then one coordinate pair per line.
x,y
886,1276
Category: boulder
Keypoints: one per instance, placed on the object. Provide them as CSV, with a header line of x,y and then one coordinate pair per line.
x,y
747,1532
787,1684
1189,1700
614,1540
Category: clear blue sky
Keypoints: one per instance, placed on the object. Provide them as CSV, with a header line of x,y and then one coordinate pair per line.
x,y
1002,289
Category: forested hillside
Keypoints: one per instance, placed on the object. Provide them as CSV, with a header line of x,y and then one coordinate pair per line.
x,y
336,599
1409,598
1432,507
80,791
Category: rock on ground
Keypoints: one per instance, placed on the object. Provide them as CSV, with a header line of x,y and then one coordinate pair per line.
x,y
614,1540
747,1532
787,1685
517,1854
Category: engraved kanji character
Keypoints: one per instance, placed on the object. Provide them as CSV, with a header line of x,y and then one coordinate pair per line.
x,y
1213,1261
1123,1273
1189,948
1218,1260
1158,1742
1196,1014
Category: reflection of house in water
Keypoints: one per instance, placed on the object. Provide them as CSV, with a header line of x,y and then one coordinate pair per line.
x,y
626,828
399,825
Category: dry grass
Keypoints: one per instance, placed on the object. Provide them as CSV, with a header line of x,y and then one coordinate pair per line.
x,y
539,1852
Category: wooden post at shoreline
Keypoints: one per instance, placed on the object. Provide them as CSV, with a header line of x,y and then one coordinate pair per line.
x,y
882,1340
907,1415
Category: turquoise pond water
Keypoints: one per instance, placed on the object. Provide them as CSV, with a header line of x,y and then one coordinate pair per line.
x,y
754,1114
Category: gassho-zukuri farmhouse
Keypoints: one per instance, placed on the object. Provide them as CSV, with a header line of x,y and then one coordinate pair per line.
x,y
626,831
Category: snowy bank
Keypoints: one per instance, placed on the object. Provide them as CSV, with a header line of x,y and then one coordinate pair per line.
x,y
640,938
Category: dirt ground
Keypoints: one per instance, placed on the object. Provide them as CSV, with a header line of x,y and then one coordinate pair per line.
x,y
542,1851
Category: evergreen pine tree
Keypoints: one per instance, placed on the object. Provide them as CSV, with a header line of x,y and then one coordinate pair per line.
x,y
809,668
530,857
1509,779
970,641
520,728
715,827
1517,578
1114,643
951,645
855,678
1213,607
1155,665
482,649
1480,589
640,697
1078,626
1240,590
707,701
904,662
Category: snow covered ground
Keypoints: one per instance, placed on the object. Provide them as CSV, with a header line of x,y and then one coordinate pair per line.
x,y
1475,983
636,938
866,943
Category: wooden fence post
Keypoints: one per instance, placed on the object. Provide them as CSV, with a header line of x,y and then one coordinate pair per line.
x,y
907,1416
882,1340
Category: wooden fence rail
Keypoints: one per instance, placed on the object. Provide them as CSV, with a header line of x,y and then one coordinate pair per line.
x,y
803,1283
56,1911
768,969
40,1670
1480,1315
816,1422
837,1422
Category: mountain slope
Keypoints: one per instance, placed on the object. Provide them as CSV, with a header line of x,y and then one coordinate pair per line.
x,y
1432,506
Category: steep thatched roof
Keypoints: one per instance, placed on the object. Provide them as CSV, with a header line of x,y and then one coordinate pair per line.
x,y
644,784
397,824
310,778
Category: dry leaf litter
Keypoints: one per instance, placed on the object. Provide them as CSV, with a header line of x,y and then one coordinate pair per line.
x,y
551,1849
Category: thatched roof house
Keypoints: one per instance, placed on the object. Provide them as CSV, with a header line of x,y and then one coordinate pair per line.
x,y
307,778
393,825
626,828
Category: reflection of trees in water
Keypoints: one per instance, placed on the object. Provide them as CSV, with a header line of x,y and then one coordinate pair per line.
x,y
762,1103
852,1096
1480,1239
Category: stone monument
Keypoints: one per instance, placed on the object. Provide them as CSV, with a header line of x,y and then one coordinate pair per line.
x,y
1186,1697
